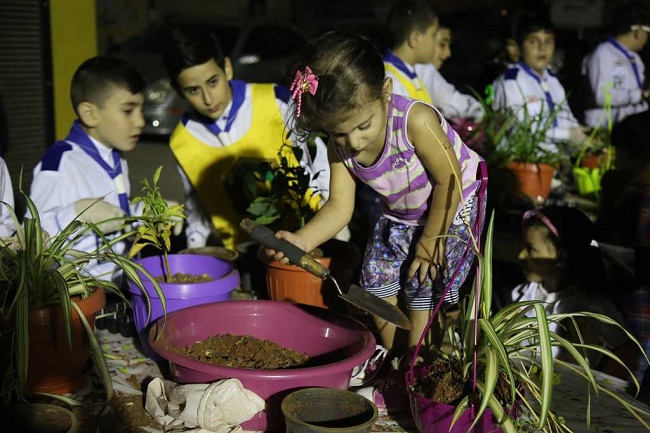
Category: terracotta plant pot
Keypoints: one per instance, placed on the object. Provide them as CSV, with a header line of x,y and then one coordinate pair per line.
x,y
39,418
291,283
534,179
327,410
54,365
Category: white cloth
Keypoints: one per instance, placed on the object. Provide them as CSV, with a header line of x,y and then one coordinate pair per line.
x,y
200,408
445,96
517,89
77,176
572,300
199,225
607,65
6,195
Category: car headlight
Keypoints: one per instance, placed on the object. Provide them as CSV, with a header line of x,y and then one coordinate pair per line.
x,y
158,91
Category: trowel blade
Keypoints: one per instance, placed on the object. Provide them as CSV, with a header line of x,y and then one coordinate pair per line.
x,y
366,301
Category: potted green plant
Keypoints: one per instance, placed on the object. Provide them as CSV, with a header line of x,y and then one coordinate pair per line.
x,y
502,365
48,303
514,139
184,279
282,198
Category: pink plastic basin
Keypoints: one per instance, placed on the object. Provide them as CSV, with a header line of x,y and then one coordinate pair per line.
x,y
335,344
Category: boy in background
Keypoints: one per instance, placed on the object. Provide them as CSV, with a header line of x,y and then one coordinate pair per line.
x,y
86,172
452,103
229,121
530,87
615,67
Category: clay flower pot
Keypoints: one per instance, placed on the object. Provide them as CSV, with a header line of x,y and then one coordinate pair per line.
x,y
534,179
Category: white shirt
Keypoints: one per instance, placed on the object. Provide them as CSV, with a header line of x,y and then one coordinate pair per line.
x,y
445,96
612,66
199,225
7,196
573,300
523,90
71,176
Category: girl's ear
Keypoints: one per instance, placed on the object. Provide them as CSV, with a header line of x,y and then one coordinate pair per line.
x,y
88,114
387,90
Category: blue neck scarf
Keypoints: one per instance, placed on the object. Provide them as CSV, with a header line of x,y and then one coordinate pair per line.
x,y
78,136
544,85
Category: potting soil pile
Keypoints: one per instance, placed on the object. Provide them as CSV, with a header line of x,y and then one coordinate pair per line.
x,y
244,351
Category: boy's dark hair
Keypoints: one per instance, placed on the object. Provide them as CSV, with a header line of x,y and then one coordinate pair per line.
x,y
532,22
576,235
407,16
191,45
350,72
631,14
93,79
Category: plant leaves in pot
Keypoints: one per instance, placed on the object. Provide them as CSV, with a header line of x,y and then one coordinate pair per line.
x,y
504,364
44,282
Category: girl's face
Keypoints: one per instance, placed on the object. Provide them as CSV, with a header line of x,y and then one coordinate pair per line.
x,y
363,130
206,87
538,258
537,50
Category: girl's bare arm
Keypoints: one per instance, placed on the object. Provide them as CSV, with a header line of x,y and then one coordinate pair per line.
x,y
437,154
335,214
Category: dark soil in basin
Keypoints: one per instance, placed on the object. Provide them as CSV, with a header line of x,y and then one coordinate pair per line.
x,y
245,351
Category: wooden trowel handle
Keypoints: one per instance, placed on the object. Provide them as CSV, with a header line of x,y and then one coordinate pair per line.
x,y
296,256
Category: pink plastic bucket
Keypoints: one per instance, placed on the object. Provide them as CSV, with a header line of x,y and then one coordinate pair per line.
x,y
432,417
178,296
334,343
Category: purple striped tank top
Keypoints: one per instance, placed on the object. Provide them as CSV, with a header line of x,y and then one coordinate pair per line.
x,y
399,175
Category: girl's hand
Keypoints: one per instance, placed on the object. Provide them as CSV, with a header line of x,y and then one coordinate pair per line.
x,y
429,258
291,237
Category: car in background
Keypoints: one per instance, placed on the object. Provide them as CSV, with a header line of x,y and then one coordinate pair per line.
x,y
260,52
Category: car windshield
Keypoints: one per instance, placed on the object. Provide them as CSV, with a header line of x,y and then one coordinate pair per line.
x,y
151,41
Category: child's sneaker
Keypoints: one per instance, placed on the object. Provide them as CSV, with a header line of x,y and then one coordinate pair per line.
x,y
364,373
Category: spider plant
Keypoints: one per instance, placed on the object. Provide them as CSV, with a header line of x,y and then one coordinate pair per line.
x,y
37,270
512,350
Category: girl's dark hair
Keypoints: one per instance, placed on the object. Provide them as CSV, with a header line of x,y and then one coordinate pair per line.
x,y
575,243
93,80
532,22
350,72
190,45
407,16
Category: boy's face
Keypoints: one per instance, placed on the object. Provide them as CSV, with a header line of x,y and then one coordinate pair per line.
x,y
206,88
118,122
537,50
442,47
425,44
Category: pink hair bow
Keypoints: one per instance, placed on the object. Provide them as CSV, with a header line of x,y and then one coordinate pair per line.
x,y
302,83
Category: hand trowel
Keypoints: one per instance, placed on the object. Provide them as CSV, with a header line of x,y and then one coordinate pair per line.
x,y
355,294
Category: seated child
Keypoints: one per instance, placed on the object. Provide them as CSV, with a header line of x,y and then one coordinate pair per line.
x,y
229,122
86,172
563,268
533,91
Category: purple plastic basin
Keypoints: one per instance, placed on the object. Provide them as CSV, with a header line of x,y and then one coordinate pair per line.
x,y
179,296
335,344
